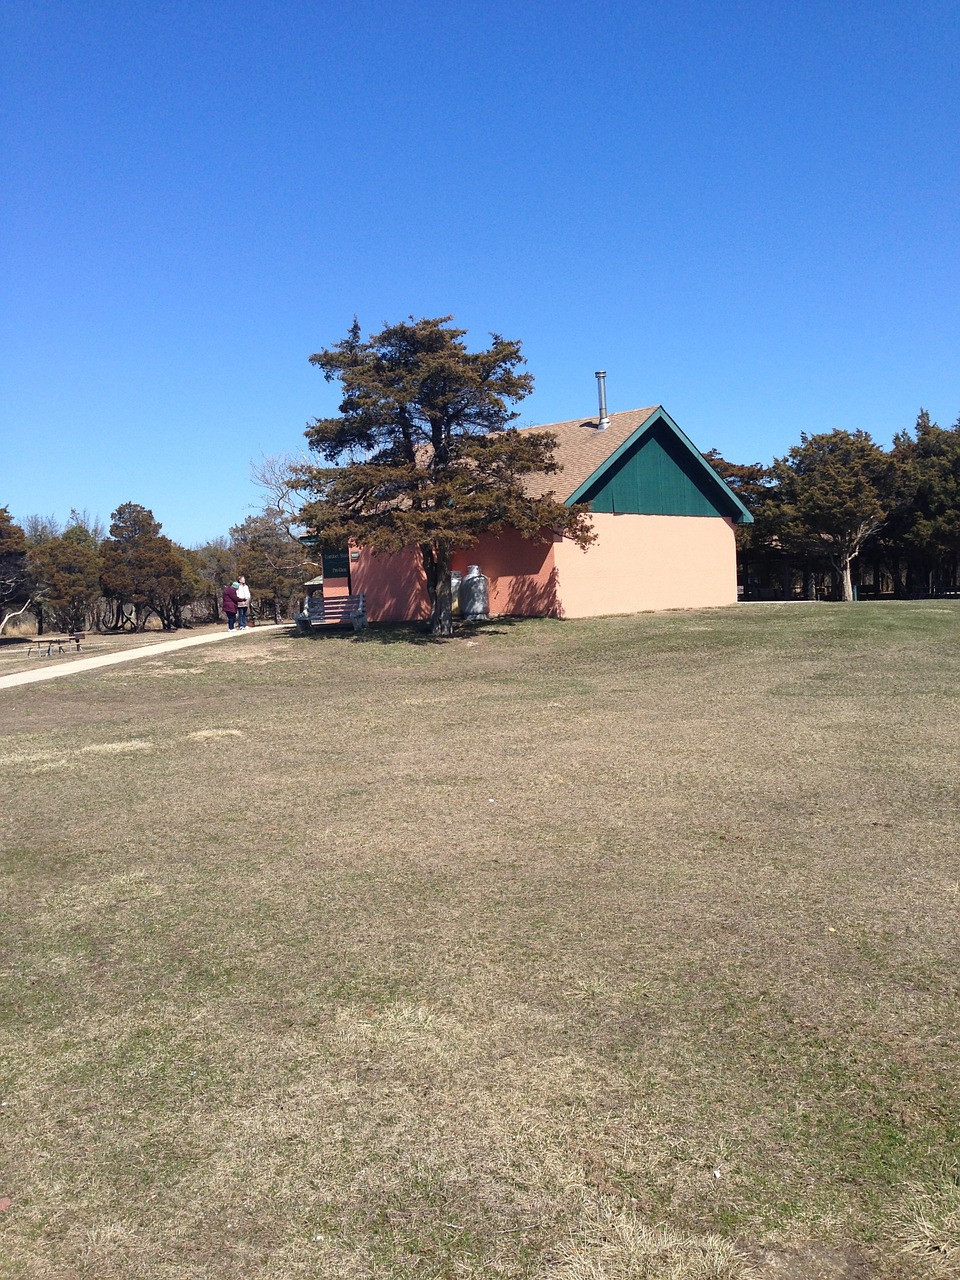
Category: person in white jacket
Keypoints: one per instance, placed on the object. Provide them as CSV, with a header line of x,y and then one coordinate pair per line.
x,y
243,603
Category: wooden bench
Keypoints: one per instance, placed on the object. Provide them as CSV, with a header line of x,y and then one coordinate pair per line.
x,y
333,611
43,646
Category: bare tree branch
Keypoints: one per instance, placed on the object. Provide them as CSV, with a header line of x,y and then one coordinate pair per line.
x,y
275,474
14,613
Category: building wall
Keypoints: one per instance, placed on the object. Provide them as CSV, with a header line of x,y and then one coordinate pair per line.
x,y
637,563
394,584
648,562
523,575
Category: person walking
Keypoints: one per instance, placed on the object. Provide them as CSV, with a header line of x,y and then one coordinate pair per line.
x,y
243,602
230,604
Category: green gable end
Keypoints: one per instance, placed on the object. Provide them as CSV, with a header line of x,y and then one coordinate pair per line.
x,y
659,475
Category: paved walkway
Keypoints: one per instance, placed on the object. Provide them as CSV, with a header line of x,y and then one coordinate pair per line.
x,y
128,655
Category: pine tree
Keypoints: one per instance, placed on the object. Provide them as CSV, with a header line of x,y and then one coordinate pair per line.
x,y
422,453
833,491
144,569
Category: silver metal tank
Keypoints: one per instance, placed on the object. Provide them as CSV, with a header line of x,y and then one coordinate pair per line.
x,y
474,595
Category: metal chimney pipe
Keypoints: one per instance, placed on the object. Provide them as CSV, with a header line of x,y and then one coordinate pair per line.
x,y
602,389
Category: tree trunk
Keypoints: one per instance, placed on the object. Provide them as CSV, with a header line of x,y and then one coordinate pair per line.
x,y
846,578
436,560
441,618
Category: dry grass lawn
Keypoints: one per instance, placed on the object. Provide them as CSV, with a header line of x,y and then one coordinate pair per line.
x,y
614,949
17,654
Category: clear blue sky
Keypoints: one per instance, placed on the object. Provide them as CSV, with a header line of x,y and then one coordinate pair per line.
x,y
747,212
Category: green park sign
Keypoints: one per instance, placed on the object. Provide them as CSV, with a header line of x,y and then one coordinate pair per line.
x,y
336,564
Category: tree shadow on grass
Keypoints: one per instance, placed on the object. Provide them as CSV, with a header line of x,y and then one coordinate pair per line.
x,y
417,633
407,633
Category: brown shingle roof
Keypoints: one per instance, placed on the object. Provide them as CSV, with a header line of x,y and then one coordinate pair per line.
x,y
581,449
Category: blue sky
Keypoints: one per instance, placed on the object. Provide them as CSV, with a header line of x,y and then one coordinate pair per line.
x,y
746,212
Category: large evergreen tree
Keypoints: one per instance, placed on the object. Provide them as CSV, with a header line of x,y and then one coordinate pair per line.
x,y
924,530
832,492
67,573
145,570
422,453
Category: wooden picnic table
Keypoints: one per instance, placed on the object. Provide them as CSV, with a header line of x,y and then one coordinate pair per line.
x,y
44,646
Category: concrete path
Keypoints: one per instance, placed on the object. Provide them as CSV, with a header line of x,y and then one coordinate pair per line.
x,y
128,655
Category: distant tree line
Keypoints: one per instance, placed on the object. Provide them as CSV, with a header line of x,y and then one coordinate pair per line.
x,y
840,516
837,516
83,577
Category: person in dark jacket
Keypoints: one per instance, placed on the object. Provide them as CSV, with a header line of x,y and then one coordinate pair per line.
x,y
230,604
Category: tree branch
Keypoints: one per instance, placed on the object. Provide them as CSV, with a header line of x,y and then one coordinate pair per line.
x,y
14,613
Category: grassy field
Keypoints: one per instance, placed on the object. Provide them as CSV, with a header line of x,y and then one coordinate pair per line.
x,y
620,949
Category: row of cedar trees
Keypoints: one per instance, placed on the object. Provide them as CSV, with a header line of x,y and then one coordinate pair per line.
x,y
422,454
836,513
839,516
81,578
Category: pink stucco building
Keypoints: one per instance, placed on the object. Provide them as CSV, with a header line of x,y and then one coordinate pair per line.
x,y
664,522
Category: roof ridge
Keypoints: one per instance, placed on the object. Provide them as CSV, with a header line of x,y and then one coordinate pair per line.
x,y
647,412
582,448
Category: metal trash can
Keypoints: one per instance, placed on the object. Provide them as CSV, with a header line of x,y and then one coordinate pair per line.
x,y
474,595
